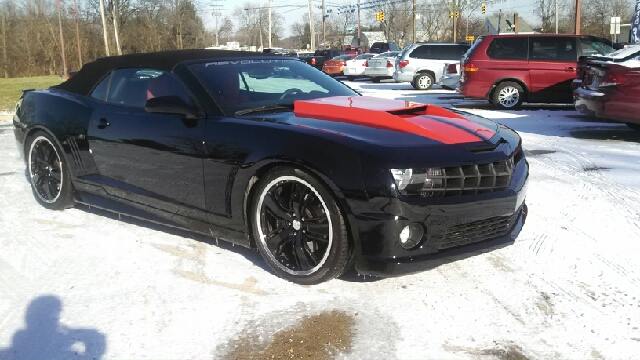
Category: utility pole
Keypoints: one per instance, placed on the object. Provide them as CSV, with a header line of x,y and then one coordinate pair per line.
x,y
64,60
313,34
414,20
4,47
75,10
104,27
455,21
269,24
324,38
359,25
556,16
217,13
578,5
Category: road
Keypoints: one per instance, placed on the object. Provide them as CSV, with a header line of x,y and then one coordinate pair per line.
x,y
83,283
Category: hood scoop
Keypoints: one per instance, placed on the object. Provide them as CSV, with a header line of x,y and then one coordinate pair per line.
x,y
429,121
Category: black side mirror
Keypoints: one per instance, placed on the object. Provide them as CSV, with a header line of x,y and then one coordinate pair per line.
x,y
171,105
618,46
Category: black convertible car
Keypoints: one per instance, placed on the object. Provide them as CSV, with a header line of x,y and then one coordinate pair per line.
x,y
268,152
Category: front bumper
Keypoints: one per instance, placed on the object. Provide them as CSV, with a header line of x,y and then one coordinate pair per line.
x,y
455,228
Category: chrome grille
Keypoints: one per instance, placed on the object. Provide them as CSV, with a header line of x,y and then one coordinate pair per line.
x,y
472,179
478,231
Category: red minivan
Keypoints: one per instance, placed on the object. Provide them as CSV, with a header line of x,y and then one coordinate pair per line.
x,y
508,70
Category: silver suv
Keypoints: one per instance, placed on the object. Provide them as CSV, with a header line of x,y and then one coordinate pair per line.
x,y
422,63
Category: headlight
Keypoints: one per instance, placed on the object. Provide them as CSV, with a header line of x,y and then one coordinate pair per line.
x,y
418,180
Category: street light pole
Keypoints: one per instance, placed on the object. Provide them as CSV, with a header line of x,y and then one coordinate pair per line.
x,y
556,16
313,34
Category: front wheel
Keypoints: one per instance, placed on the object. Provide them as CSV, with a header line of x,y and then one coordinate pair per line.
x,y
48,173
508,95
634,126
299,228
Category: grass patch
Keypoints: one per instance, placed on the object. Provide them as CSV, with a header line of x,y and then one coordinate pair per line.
x,y
10,89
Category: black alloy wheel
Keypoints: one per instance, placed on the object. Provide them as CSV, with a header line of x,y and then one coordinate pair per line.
x,y
48,174
298,227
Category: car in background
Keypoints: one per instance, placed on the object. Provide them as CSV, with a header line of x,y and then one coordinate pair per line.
x,y
508,70
268,153
335,66
625,53
450,79
610,89
352,50
380,66
421,64
383,47
322,55
355,67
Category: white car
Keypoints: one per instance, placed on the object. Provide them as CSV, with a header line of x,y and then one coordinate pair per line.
x,y
450,79
355,67
381,66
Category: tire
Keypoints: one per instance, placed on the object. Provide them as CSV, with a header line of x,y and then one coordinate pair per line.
x,y
48,173
351,78
633,126
423,81
508,95
375,80
309,242
446,87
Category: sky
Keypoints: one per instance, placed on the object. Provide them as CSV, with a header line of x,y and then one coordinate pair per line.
x,y
294,10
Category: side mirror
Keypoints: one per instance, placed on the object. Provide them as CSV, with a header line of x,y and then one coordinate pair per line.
x,y
171,105
618,46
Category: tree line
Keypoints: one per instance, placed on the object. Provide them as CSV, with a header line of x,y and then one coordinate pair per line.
x,y
31,33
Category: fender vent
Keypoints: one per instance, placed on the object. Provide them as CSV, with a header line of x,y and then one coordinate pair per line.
x,y
75,153
227,191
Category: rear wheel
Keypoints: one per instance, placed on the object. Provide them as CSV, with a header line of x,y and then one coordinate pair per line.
x,y
351,78
508,95
298,227
423,81
48,173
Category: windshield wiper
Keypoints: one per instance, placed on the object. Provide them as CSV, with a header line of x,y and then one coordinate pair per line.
x,y
263,108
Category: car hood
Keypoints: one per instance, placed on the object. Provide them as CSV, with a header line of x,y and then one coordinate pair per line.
x,y
390,122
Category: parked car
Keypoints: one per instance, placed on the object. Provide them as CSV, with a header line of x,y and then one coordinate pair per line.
x,y
352,50
610,88
421,64
450,79
335,66
622,54
383,47
380,66
508,70
320,56
355,67
268,153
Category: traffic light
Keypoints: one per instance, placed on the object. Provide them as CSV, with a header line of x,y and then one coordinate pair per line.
x,y
378,16
484,7
457,14
451,14
381,15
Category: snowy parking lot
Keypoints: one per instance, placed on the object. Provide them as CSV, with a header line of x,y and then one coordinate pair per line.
x,y
84,283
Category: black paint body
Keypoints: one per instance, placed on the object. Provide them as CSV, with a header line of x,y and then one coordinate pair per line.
x,y
199,174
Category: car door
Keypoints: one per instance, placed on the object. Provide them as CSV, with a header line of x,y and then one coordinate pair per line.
x,y
552,67
148,158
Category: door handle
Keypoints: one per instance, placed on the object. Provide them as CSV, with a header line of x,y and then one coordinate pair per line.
x,y
102,123
569,69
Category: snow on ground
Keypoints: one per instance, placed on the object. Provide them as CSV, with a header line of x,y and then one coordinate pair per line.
x,y
568,288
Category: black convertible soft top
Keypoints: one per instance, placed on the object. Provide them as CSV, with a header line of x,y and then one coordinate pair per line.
x,y
84,81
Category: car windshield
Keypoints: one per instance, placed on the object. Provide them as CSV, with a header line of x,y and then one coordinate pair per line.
x,y
363,57
242,84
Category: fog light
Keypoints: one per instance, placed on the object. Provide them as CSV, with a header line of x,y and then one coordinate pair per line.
x,y
411,235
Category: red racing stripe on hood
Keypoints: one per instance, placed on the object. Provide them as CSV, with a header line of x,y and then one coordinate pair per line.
x,y
429,121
